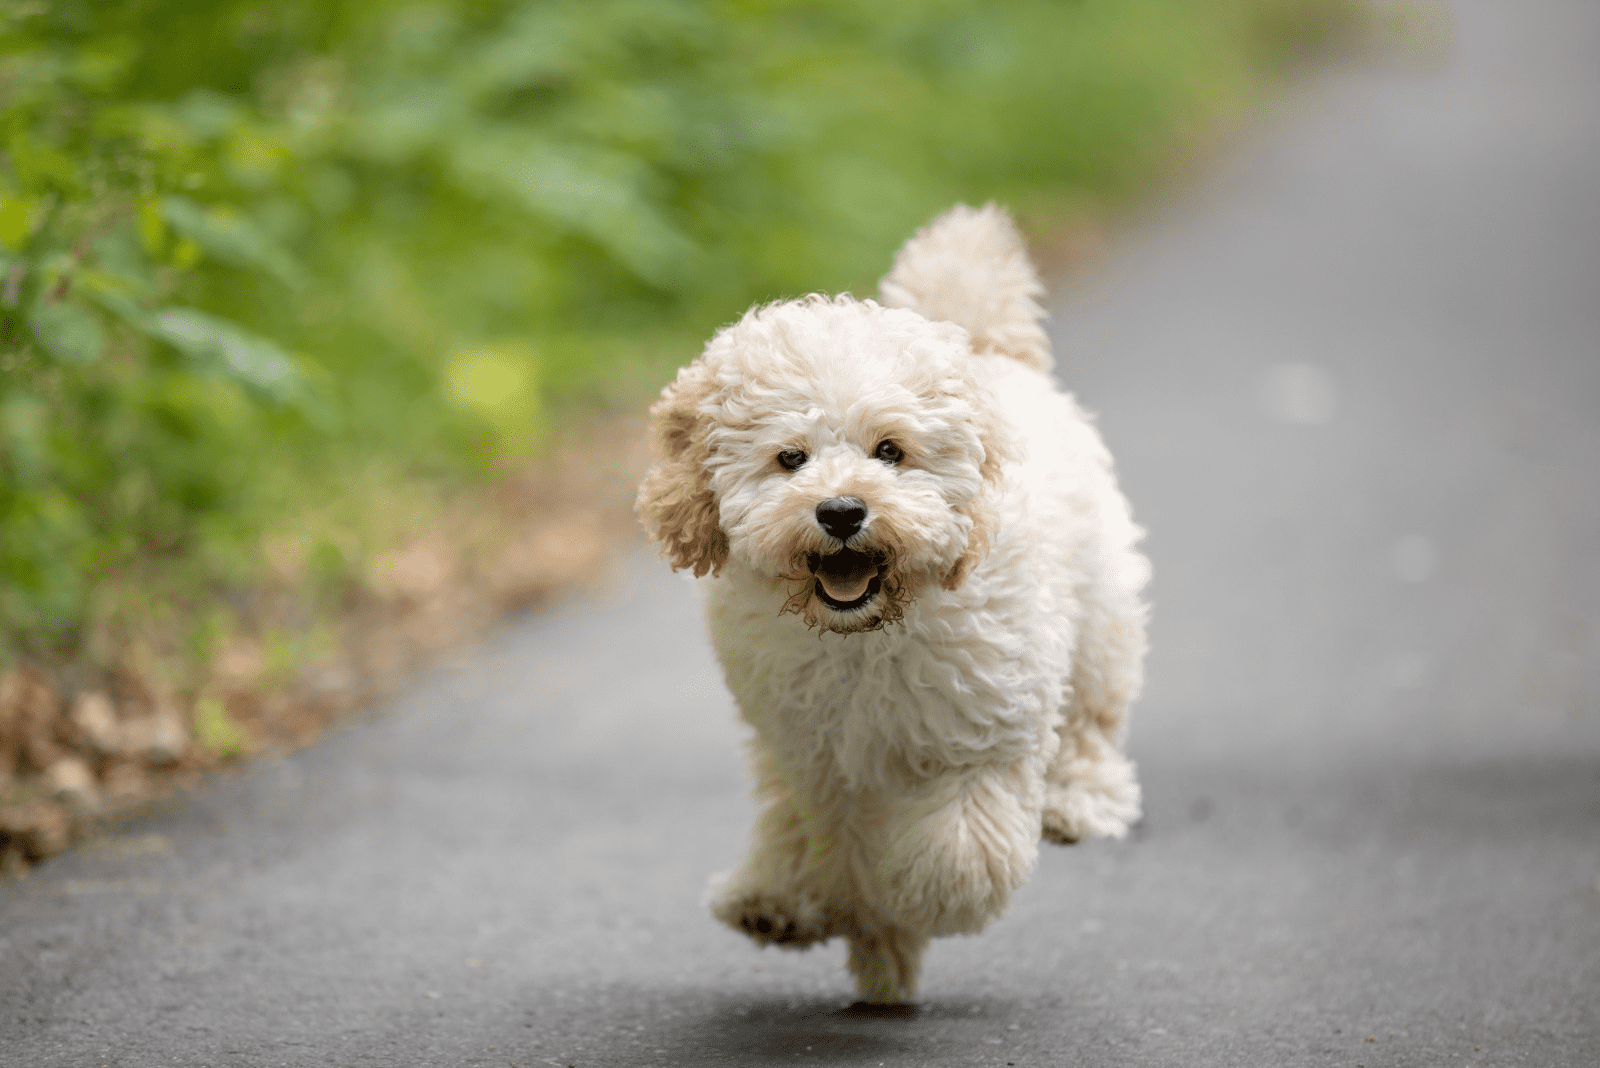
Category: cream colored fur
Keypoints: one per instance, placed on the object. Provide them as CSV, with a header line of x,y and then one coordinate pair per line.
x,y
909,753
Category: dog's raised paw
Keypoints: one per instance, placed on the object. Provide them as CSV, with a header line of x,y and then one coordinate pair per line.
x,y
1074,812
772,928
770,920
768,924
1058,831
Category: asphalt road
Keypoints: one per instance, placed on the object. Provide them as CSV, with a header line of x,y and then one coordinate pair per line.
x,y
1352,378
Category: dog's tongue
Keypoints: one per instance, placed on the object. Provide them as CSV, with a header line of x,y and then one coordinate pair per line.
x,y
845,588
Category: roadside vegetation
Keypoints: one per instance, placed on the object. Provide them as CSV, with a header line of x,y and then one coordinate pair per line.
x,y
292,293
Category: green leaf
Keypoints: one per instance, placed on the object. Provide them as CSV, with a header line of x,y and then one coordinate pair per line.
x,y
207,112
234,240
69,333
111,295
42,167
248,358
24,440
594,193
15,219
152,227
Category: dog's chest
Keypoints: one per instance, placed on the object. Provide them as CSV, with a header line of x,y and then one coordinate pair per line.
x,y
867,708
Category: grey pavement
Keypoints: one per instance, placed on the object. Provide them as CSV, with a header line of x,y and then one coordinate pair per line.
x,y
1352,379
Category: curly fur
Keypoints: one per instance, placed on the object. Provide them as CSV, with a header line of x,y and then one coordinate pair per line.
x,y
906,773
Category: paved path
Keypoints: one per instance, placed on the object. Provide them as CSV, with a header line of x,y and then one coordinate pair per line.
x,y
1353,382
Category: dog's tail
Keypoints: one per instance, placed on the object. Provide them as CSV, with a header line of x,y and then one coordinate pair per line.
x,y
970,267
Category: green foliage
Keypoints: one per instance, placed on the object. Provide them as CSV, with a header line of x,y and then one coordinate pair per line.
x,y
126,415
217,732
259,256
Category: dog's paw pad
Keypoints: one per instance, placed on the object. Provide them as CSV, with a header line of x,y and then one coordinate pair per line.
x,y
770,928
770,921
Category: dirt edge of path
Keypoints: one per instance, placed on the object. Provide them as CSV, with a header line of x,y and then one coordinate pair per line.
x,y
85,744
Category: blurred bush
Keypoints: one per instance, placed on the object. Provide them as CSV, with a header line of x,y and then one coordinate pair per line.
x,y
261,261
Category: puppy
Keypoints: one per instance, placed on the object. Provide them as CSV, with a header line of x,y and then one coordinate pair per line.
x,y
924,595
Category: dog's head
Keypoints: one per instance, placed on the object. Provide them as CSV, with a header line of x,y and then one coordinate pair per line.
x,y
840,449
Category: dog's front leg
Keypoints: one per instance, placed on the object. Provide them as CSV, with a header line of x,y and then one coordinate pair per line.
x,y
887,964
959,844
767,896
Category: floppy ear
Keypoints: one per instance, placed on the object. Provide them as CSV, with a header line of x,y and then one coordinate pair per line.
x,y
1000,447
675,501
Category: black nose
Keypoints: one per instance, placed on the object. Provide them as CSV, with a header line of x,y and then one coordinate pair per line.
x,y
842,516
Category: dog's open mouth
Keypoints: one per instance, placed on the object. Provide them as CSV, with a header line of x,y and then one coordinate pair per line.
x,y
847,579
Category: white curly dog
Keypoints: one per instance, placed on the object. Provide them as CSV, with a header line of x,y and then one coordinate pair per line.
x,y
925,597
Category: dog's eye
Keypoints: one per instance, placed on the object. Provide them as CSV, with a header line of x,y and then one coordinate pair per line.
x,y
888,452
791,459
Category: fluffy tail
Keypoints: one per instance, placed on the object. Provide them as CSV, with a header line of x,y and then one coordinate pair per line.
x,y
970,267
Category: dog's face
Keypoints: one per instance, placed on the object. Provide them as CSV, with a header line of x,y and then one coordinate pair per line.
x,y
839,449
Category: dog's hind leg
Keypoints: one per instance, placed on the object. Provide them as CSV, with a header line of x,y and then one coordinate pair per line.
x,y
1091,789
766,897
887,965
